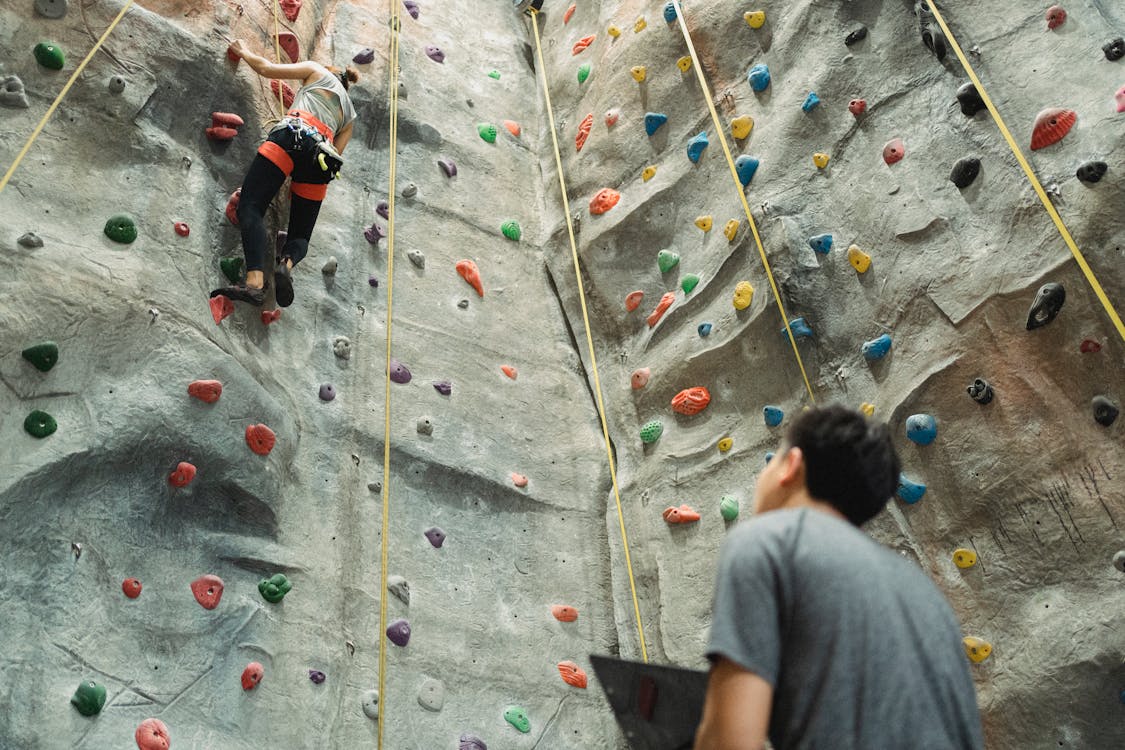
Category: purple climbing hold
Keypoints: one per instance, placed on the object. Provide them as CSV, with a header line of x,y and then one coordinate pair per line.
x,y
435,535
327,392
411,8
399,632
383,209
399,372
316,676
472,742
373,281
435,53
374,233
447,166
444,387
364,56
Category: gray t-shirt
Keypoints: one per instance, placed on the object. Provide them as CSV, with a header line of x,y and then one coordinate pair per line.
x,y
335,111
862,650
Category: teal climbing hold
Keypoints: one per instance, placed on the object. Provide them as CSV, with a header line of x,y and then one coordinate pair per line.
x,y
670,12
728,506
121,228
921,428
583,72
511,230
689,282
800,328
696,147
517,717
89,698
487,132
877,347
653,121
909,491
704,329
40,424
746,166
822,243
667,260
49,55
759,78
494,75
231,268
773,415
651,431
43,355
811,102
274,588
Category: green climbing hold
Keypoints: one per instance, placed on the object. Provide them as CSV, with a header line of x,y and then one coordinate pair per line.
x,y
274,588
583,72
652,431
40,424
689,282
667,260
43,356
89,698
517,717
728,506
231,268
494,75
121,228
49,55
511,230
487,131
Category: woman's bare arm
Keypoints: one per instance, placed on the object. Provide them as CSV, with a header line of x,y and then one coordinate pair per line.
x,y
264,67
342,138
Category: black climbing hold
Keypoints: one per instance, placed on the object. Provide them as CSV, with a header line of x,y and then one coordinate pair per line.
x,y
43,356
1092,171
856,36
969,99
1105,411
1046,306
40,424
1114,49
980,391
965,171
932,35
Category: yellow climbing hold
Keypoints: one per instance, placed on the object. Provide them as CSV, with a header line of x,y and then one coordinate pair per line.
x,y
964,558
613,31
640,25
741,126
726,444
976,648
867,408
648,173
860,260
731,229
743,295
820,159
755,18
639,73
684,63
705,223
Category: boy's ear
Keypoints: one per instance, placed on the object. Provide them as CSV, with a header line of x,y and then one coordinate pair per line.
x,y
792,467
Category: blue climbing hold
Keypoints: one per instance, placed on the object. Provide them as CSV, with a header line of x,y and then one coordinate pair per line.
x,y
822,243
704,329
759,78
908,491
921,428
746,166
810,102
769,456
773,415
670,12
696,145
877,347
800,329
653,121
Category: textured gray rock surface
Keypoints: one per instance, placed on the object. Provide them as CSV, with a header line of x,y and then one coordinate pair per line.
x,y
1029,481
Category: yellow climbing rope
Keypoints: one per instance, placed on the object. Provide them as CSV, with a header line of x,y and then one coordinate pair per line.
x,y
384,538
58,99
741,193
589,337
1035,184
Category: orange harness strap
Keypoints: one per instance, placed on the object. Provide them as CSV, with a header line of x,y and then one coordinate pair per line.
x,y
309,191
279,156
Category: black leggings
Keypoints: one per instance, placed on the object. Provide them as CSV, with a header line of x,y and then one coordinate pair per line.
x,y
264,179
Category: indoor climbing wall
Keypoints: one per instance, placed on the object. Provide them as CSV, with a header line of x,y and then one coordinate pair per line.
x,y
190,495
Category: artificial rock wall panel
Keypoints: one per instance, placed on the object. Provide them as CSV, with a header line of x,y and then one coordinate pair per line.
x,y
1030,481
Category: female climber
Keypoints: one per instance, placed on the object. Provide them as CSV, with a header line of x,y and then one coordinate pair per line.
x,y
306,146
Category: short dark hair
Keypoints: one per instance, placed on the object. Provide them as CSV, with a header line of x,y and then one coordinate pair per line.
x,y
850,461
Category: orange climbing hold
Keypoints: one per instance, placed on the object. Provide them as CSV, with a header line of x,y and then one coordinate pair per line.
x,y
639,378
288,43
183,474
271,316
152,734
513,127
221,307
691,401
287,93
603,200
470,273
564,612
633,300
661,308
519,480
569,12
260,438
572,674
583,43
1050,127
510,371
583,131
207,590
682,514
207,391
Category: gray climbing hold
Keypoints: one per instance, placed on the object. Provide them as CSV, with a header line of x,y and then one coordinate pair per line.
x,y
51,8
30,240
364,56
327,392
398,586
342,347
417,257
1048,301
435,535
1092,172
425,426
965,171
371,704
1105,411
463,304
330,266
856,36
431,694
375,486
471,742
980,391
444,387
410,190
969,99
116,84
1119,560
12,93
383,209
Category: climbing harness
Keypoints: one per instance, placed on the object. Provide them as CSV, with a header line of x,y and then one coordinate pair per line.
x,y
534,12
741,193
310,134
1035,184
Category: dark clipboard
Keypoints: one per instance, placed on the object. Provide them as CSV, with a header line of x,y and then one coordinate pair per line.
x,y
658,707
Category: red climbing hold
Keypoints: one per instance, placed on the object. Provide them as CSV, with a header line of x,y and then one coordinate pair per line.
x,y
519,480
221,133
564,612
1056,16
682,514
633,300
226,119
572,674
470,273
287,95
661,308
152,734
207,590
207,391
288,42
509,371
569,12
857,106
291,9
513,127
603,200
1089,346
639,378
252,675
260,439
183,474
691,401
1051,125
131,587
232,206
582,44
271,316
221,307
611,117
894,151
181,228
583,131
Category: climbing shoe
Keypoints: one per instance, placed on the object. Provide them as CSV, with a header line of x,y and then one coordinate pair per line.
x,y
242,293
283,284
